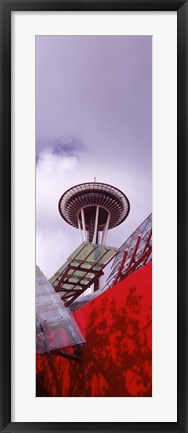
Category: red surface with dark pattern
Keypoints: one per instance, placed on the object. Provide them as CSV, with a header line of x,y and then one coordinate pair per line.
x,y
117,357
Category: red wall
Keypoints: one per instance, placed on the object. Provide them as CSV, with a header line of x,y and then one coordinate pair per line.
x,y
117,357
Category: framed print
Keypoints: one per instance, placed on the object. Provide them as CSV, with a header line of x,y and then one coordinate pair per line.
x,y
93,167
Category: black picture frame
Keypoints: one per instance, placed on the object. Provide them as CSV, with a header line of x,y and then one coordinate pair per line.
x,y
6,7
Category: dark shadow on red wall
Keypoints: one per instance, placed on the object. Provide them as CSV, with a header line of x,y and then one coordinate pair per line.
x,y
117,357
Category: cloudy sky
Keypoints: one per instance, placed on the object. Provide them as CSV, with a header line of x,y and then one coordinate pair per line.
x,y
93,119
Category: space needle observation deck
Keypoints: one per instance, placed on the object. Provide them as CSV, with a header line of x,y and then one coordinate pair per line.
x,y
94,208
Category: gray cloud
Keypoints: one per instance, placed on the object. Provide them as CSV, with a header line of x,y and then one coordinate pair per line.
x,y
60,146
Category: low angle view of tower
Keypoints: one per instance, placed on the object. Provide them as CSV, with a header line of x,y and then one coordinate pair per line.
x,y
93,219
94,208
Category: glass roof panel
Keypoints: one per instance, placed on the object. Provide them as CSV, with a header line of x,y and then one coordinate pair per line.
x,y
55,325
83,266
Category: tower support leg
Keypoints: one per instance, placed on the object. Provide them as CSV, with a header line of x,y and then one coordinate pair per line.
x,y
83,223
105,231
80,230
94,240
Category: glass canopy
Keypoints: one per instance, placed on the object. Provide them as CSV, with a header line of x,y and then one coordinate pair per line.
x,y
82,269
55,326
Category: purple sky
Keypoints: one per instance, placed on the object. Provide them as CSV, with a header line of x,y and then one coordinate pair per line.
x,y
93,119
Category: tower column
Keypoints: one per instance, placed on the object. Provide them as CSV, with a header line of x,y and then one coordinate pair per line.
x,y
83,223
105,231
94,241
80,230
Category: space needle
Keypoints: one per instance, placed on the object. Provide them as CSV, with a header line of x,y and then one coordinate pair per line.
x,y
94,208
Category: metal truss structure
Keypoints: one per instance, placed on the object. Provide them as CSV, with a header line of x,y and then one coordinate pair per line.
x,y
82,270
135,252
